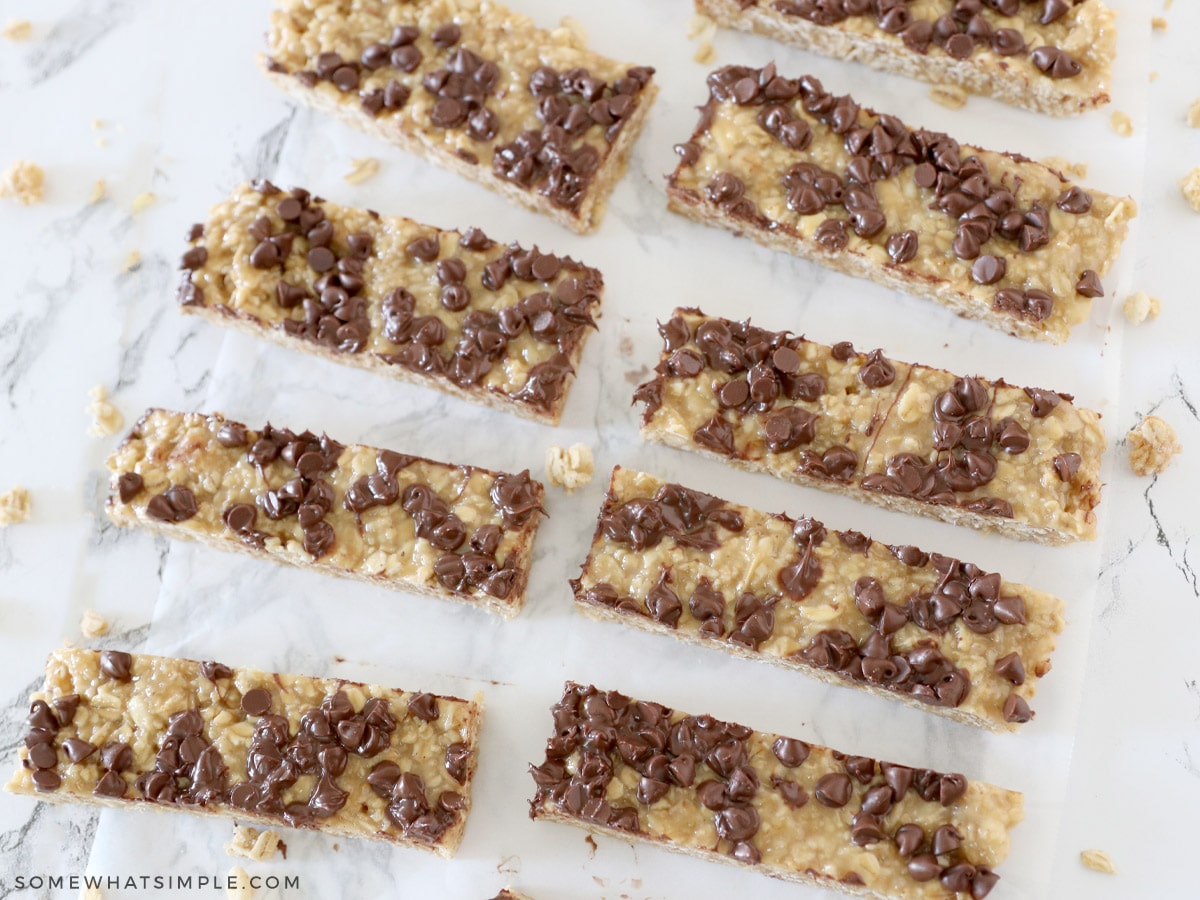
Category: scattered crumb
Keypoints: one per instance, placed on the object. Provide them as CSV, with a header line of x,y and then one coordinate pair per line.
x,y
250,843
23,180
703,29
99,191
1151,445
93,625
101,142
14,506
1141,306
1121,124
1191,188
705,54
1064,165
97,124
591,842
569,467
106,418
1167,4
1193,116
17,30
1158,23
948,95
626,345
1098,861
143,201
364,169
510,865
238,884
1153,77
68,644
132,261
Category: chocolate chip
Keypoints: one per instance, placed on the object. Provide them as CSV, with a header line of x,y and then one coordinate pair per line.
x,y
831,235
1042,402
790,752
1089,284
117,665
1066,465
447,35
176,504
457,756
738,823
1055,63
256,702
129,485
424,707
924,867
1075,200
833,790
717,435
902,246
877,371
988,269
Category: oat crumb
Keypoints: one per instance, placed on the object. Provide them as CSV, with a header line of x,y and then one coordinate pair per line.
x,y
90,893
132,261
99,191
24,181
948,95
569,467
1193,116
1153,77
1151,445
1121,124
239,884
701,27
705,54
143,201
1191,188
106,418
18,30
1098,861
250,843
363,170
1141,306
14,506
97,124
92,624
1158,23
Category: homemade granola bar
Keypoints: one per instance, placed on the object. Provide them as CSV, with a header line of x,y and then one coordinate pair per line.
x,y
377,516
473,87
1023,462
930,630
639,771
1051,56
993,236
494,324
347,759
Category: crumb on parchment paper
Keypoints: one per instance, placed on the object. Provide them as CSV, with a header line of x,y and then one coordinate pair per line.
x,y
23,180
1098,861
1121,123
17,30
570,467
92,624
1190,185
950,96
15,506
106,418
361,170
1141,306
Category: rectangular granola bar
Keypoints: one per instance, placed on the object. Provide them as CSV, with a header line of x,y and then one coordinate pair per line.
x,y
497,325
352,760
715,790
1024,463
1050,56
473,87
993,236
935,632
378,516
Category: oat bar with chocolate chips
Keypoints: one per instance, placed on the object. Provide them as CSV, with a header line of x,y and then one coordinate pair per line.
x,y
473,87
350,760
386,518
932,631
993,236
1022,462
639,771
493,324
1050,56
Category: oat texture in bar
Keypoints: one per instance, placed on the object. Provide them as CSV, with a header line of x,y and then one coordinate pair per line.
x,y
715,790
1050,56
494,324
992,236
471,86
1022,462
930,630
378,516
351,760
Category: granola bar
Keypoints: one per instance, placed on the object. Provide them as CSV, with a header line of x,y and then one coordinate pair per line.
x,y
378,516
1022,462
352,760
992,236
1050,56
715,790
473,87
498,325
933,631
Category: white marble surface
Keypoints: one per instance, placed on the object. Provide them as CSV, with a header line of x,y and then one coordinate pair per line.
x,y
1113,759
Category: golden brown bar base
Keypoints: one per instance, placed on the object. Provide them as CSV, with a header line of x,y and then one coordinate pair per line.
x,y
992,236
347,759
934,632
1087,30
475,88
493,324
718,791
1024,463
454,532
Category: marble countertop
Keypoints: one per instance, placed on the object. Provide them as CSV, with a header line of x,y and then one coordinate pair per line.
x,y
157,99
